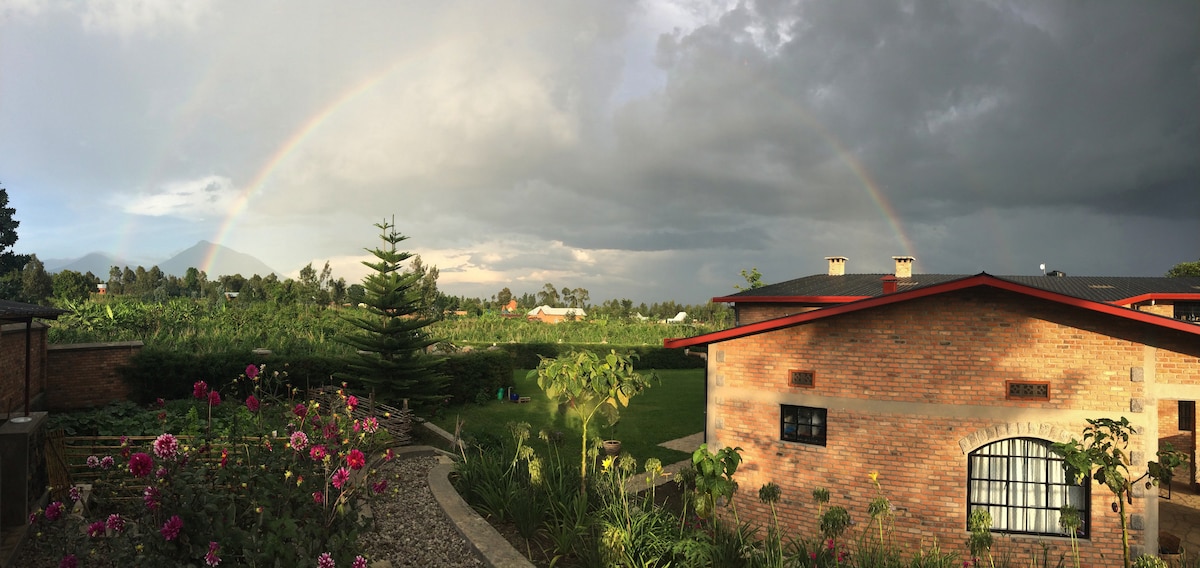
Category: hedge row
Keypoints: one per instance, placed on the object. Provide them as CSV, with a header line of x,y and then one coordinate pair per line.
x,y
170,374
480,373
477,375
527,355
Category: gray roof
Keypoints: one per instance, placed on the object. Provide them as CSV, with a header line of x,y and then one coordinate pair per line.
x,y
1095,288
17,312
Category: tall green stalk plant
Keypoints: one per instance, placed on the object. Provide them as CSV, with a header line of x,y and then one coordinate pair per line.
x,y
1070,520
1104,456
590,386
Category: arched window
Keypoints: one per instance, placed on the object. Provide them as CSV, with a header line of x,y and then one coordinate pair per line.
x,y
1023,485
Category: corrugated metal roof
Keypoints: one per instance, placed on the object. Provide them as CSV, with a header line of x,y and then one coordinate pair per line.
x,y
1126,287
1095,288
17,311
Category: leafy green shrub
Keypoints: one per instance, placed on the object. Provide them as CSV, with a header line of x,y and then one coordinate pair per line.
x,y
662,358
528,355
155,373
477,373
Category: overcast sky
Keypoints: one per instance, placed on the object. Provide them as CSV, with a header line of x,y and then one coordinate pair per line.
x,y
649,150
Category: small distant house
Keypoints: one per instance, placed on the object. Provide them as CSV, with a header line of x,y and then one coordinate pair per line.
x,y
554,315
679,317
102,288
509,308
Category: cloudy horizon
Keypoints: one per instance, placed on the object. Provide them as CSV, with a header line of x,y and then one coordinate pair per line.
x,y
640,149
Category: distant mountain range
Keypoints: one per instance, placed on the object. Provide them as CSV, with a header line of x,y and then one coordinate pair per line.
x,y
225,261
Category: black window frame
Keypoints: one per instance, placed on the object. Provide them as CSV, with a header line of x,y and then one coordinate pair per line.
x,y
1187,311
1187,415
1054,476
810,419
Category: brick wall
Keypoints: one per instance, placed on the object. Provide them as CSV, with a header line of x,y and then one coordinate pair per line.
x,y
753,313
1166,310
909,389
84,375
12,365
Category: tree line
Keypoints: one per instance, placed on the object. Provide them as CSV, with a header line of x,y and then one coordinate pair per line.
x,y
34,285
24,278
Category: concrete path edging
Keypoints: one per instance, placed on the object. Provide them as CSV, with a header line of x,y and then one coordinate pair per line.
x,y
493,549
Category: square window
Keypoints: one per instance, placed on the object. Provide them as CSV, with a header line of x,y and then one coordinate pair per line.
x,y
802,424
804,379
1187,415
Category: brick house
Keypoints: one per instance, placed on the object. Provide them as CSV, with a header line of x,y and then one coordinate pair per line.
x,y
548,314
952,387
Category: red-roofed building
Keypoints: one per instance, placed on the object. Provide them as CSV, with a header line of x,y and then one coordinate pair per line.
x,y
951,387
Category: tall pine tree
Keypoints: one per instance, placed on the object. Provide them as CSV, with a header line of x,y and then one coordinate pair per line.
x,y
391,334
10,262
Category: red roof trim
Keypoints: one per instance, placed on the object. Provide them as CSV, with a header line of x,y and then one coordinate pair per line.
x,y
982,279
789,299
1159,296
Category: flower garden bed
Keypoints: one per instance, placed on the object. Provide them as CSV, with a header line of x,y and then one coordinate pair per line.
x,y
267,480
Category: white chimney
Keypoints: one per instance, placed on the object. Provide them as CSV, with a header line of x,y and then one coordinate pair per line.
x,y
837,265
903,266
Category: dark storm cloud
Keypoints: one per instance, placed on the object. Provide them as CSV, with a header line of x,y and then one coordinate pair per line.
x,y
951,107
653,147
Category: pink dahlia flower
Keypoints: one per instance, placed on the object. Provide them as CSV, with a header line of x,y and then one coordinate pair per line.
x,y
140,464
166,447
211,558
299,441
356,460
340,477
170,529
115,523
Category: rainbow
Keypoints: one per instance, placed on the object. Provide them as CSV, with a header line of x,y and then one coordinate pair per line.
x,y
238,207
860,171
853,163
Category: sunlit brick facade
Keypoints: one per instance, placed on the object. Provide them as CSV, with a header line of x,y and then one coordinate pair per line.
x,y
912,385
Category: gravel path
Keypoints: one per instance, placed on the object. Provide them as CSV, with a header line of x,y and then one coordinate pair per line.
x,y
410,528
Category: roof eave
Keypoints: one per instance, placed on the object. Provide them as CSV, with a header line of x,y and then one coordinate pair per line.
x,y
787,299
982,279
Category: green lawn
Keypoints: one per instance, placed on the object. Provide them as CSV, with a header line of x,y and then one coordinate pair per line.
x,y
670,409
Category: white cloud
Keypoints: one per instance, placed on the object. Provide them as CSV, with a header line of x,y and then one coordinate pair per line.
x,y
21,8
126,17
210,196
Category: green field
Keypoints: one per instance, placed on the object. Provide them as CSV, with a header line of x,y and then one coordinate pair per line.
x,y
672,408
